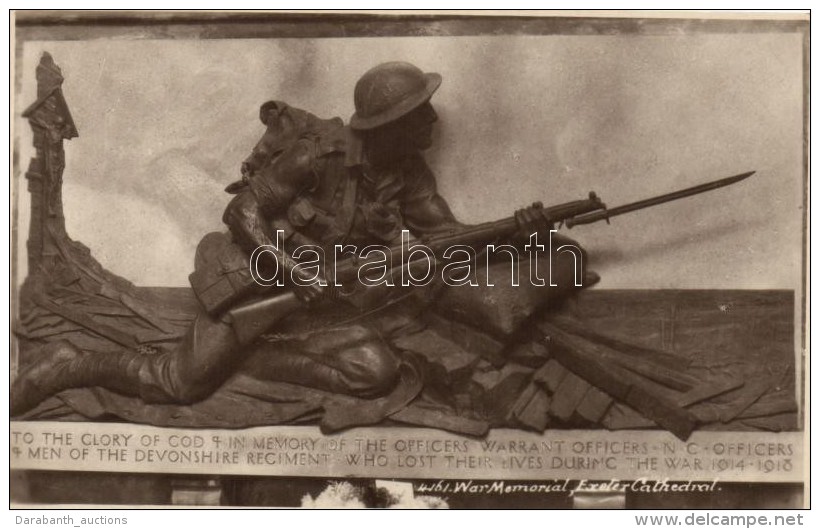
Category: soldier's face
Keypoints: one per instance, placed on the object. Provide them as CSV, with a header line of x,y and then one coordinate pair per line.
x,y
418,126
412,133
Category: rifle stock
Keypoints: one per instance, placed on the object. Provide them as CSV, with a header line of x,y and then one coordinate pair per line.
x,y
252,319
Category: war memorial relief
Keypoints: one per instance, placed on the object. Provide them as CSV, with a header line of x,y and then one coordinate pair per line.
x,y
454,260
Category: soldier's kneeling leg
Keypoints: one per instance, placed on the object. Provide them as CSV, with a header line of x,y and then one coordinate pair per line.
x,y
352,360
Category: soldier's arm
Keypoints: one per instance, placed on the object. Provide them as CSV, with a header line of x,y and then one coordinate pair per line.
x,y
251,215
424,210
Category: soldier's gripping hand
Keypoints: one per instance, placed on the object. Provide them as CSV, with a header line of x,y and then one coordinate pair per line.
x,y
532,220
309,293
308,286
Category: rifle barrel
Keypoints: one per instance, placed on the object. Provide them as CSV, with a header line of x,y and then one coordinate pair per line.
x,y
589,218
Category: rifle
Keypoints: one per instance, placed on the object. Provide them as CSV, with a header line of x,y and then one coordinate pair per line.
x,y
254,318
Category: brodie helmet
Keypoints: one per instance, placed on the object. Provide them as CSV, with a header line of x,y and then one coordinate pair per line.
x,y
389,91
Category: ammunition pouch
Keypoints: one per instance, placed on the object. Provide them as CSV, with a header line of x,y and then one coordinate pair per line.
x,y
221,276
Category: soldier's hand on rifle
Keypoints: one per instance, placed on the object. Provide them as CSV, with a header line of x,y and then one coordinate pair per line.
x,y
307,287
532,219
307,284
309,293
310,283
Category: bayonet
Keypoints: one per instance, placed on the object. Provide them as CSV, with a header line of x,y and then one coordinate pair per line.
x,y
606,214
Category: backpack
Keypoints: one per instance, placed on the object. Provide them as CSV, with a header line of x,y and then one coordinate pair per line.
x,y
285,125
221,276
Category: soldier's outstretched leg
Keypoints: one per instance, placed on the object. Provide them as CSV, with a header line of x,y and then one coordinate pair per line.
x,y
353,360
207,356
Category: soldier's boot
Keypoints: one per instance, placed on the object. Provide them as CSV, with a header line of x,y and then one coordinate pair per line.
x,y
63,366
203,360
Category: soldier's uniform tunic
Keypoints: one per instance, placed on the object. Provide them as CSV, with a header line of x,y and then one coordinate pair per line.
x,y
320,191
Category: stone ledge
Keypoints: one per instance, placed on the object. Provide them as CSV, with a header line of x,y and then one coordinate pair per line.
x,y
410,453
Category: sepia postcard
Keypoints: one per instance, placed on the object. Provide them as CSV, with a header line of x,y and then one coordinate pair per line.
x,y
409,259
